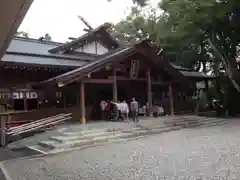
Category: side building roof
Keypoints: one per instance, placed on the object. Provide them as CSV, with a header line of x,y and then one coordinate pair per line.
x,y
35,52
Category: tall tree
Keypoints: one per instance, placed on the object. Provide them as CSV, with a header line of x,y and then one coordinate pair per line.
x,y
214,24
191,32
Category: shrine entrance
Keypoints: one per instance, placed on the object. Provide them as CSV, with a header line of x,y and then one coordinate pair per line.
x,y
127,89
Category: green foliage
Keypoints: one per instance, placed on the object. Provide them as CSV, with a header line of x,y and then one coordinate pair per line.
x,y
193,34
184,26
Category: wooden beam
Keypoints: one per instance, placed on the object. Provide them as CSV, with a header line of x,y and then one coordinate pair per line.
x,y
99,81
82,103
171,99
122,78
25,101
149,92
110,80
158,83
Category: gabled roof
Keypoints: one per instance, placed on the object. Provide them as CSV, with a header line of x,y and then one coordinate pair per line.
x,y
142,47
100,34
34,53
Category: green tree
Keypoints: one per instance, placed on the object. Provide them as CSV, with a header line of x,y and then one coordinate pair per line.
x,y
191,32
214,24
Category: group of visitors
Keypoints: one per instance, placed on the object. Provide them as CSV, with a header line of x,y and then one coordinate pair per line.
x,y
121,110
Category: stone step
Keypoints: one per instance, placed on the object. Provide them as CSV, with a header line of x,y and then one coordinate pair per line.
x,y
156,126
99,131
154,131
74,143
189,120
82,132
198,124
206,120
40,149
213,124
81,136
96,129
165,129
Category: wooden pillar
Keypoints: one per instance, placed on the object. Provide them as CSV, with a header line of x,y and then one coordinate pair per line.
x,y
198,91
209,100
115,97
82,103
149,92
171,99
3,130
65,101
25,101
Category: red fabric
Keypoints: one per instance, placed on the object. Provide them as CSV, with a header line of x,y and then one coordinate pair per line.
x,y
108,106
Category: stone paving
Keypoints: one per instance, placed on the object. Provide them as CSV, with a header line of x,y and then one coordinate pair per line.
x,y
202,153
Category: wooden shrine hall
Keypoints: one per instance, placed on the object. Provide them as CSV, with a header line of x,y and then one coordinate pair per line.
x,y
136,71
75,76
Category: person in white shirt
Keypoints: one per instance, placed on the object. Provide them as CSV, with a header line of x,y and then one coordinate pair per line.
x,y
103,109
134,110
118,110
124,111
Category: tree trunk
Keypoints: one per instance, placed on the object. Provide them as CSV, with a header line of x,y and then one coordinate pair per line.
x,y
230,70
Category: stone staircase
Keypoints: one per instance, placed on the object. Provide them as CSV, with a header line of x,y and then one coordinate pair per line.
x,y
195,121
81,138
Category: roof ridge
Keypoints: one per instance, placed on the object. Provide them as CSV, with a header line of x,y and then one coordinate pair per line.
x,y
37,41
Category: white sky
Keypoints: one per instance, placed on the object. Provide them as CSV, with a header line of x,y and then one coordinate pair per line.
x,y
59,17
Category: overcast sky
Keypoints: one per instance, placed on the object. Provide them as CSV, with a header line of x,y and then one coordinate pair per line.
x,y
59,17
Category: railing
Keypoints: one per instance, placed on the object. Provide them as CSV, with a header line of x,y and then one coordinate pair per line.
x,y
29,127
21,117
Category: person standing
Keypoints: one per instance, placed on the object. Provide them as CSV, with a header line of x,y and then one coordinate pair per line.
x,y
103,109
125,111
118,110
134,110
108,110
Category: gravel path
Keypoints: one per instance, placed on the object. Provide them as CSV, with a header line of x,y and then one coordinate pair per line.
x,y
206,153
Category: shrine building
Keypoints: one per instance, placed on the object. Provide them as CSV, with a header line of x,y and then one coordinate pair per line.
x,y
42,78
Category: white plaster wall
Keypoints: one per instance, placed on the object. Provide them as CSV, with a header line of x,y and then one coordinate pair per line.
x,y
91,48
101,49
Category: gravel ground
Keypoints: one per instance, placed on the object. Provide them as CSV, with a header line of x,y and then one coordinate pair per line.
x,y
204,153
